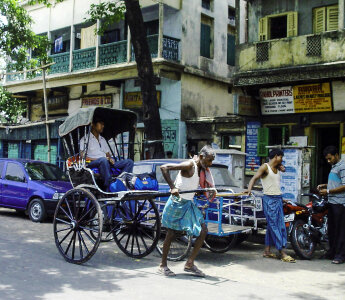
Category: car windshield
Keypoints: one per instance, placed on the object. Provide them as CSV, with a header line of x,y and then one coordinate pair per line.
x,y
42,171
222,177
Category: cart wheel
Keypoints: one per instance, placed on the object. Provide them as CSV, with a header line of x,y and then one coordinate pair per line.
x,y
136,227
107,234
179,248
220,244
78,225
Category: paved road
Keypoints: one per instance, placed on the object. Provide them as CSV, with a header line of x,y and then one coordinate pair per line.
x,y
32,268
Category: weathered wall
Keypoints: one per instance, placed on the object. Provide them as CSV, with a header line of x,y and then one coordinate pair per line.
x,y
292,52
202,97
261,8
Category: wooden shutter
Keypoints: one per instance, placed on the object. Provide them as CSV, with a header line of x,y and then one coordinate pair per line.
x,y
263,135
231,50
205,40
332,17
292,24
319,19
263,29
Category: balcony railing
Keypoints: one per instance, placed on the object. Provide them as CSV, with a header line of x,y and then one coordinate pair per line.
x,y
294,51
109,54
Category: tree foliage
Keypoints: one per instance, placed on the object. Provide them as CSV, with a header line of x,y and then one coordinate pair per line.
x,y
10,107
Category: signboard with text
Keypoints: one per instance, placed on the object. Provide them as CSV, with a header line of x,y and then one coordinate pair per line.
x,y
103,100
297,99
252,159
135,100
312,98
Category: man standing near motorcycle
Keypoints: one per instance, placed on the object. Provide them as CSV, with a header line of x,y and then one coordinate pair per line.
x,y
335,190
276,235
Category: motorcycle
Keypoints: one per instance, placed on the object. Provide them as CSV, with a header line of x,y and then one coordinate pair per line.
x,y
306,224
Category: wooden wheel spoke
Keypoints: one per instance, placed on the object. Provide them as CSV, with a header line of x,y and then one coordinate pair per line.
x,y
133,236
88,236
87,228
141,217
82,239
89,211
63,221
65,237
69,216
69,208
70,243
129,235
73,246
141,236
67,228
80,247
136,238
145,233
119,240
139,210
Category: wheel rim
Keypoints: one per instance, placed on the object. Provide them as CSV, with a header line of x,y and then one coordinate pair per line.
x,y
219,244
179,247
136,227
36,211
304,242
77,226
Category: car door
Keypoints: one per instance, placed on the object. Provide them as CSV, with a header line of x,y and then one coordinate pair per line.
x,y
14,186
2,164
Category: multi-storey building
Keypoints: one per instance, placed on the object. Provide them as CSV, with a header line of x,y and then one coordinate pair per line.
x,y
292,64
192,45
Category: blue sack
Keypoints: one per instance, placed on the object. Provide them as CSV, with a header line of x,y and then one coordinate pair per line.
x,y
117,186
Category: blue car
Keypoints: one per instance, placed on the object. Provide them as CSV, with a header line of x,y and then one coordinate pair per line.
x,y
222,177
33,187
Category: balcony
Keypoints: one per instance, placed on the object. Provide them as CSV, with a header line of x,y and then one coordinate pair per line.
x,y
306,50
109,54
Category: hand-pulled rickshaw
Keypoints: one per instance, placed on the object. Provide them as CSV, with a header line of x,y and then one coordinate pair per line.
x,y
130,218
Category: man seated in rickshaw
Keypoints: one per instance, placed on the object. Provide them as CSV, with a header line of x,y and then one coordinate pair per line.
x,y
98,154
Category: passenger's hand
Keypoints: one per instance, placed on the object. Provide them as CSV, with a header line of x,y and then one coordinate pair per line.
x,y
174,192
320,187
111,160
248,192
323,192
281,168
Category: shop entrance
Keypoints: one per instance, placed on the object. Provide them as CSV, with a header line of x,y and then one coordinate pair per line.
x,y
325,136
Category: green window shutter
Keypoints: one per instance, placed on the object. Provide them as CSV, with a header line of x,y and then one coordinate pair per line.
x,y
231,50
263,29
205,40
13,150
263,135
292,23
319,19
41,153
332,17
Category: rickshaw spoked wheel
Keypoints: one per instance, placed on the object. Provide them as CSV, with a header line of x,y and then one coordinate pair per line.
x,y
218,244
107,234
136,227
78,224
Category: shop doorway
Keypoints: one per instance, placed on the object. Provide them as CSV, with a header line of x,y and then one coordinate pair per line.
x,y
325,136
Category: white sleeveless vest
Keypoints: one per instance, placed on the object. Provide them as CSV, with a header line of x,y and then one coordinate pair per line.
x,y
271,183
184,183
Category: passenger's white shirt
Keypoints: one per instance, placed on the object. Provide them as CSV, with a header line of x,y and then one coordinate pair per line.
x,y
97,148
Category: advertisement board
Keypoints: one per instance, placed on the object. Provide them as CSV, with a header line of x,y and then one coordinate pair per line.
x,y
252,159
277,100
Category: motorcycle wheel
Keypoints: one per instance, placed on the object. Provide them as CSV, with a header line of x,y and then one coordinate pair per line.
x,y
303,245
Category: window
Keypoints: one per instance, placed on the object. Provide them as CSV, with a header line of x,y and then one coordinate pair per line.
x,y
232,15
159,175
231,46
278,26
325,18
110,36
206,4
1,167
206,37
15,172
232,141
152,27
271,136
13,150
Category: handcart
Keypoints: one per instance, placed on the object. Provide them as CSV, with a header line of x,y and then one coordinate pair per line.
x,y
225,219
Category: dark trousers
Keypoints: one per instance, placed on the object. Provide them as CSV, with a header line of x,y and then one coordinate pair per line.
x,y
336,230
103,166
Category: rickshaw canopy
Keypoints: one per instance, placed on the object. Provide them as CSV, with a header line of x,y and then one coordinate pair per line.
x,y
115,120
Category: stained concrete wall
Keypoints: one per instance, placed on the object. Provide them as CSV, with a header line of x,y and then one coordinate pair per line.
x,y
203,97
260,8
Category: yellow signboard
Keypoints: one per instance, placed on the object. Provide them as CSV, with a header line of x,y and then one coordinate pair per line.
x,y
135,99
312,98
343,145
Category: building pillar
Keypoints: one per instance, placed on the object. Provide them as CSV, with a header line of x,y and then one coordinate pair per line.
x,y
341,8
129,45
160,30
71,48
237,21
98,42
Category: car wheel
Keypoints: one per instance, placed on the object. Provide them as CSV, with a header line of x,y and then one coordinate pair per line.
x,y
37,211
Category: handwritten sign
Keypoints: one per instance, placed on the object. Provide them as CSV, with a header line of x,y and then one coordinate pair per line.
x,y
278,100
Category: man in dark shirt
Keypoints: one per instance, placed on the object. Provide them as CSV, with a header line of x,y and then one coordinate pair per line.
x,y
335,190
